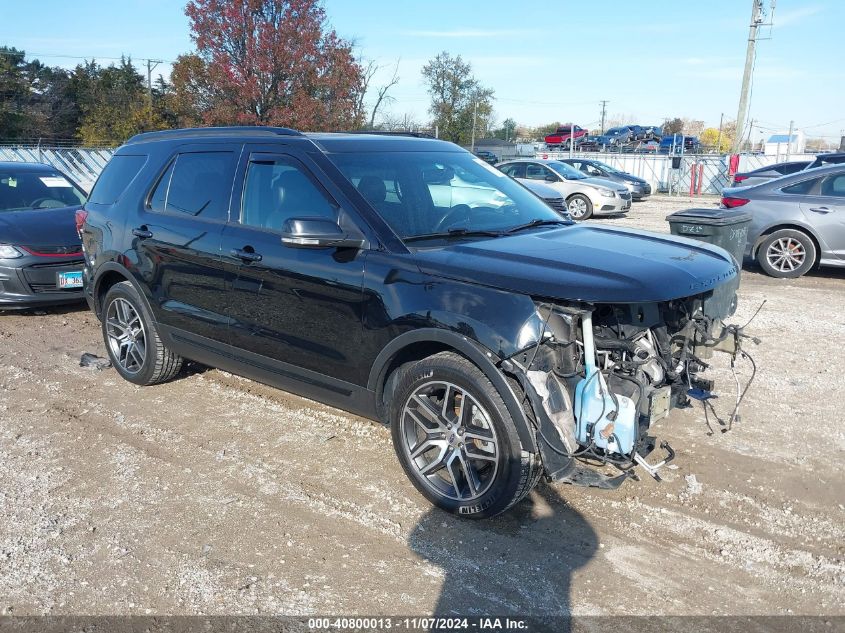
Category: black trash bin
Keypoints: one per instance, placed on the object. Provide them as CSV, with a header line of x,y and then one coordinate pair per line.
x,y
727,228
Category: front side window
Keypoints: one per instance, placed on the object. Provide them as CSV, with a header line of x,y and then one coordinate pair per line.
x,y
20,190
197,184
514,170
279,188
425,193
834,186
533,171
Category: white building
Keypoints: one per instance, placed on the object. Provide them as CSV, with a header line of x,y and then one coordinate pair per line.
x,y
780,144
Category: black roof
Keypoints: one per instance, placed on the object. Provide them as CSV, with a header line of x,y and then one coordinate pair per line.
x,y
326,141
204,132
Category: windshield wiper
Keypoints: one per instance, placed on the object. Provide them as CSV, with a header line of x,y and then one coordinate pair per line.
x,y
533,223
456,232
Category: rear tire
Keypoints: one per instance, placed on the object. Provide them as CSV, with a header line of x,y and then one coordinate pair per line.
x,y
787,254
132,340
580,207
456,440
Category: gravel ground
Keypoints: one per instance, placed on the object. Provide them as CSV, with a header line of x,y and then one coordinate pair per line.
x,y
216,495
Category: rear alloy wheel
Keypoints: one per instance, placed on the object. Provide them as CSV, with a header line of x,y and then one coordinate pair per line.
x,y
132,341
787,254
456,439
580,207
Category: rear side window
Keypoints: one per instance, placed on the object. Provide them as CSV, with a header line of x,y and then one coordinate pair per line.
x,y
803,187
196,183
118,173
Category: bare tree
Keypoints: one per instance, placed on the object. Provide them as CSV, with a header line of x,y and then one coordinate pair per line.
x,y
382,98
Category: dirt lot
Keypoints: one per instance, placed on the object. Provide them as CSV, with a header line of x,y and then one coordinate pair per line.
x,y
217,495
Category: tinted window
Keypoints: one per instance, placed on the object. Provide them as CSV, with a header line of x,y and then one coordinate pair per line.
x,y
533,171
790,168
119,172
805,186
514,170
197,183
279,189
834,186
37,190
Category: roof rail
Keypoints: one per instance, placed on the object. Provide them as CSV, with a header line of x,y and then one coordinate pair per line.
x,y
391,133
235,130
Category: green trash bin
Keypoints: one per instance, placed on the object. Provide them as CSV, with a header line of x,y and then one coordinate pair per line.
x,y
726,228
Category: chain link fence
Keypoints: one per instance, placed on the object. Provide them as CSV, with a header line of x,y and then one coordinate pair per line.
x,y
679,175
82,164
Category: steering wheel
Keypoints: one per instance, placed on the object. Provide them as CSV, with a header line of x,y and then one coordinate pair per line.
x,y
39,203
452,216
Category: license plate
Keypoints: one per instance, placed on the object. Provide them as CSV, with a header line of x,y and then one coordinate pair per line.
x,y
70,280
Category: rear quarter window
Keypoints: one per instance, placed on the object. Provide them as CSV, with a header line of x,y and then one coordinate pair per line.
x,y
116,177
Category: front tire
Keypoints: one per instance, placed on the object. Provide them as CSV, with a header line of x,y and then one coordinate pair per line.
x,y
580,207
456,440
787,254
132,340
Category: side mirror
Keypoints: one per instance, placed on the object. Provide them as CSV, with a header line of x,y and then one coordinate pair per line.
x,y
551,178
318,233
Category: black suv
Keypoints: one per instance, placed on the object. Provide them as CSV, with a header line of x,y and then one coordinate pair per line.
x,y
405,280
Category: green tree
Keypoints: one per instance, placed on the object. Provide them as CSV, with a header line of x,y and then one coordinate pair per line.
x,y
507,131
673,126
458,102
113,102
542,131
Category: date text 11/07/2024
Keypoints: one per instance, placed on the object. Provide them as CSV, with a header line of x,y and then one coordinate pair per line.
x,y
418,624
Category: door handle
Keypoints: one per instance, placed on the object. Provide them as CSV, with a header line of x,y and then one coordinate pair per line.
x,y
142,232
245,255
821,209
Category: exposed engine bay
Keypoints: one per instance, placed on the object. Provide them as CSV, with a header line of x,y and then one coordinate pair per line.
x,y
599,376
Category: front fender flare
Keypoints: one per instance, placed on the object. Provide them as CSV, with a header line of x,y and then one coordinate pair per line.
x,y
480,356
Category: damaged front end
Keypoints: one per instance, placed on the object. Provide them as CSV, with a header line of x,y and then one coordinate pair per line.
x,y
598,376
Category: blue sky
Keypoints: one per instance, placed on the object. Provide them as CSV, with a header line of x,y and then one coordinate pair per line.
x,y
546,61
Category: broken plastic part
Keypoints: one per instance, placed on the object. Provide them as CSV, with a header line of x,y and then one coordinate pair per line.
x,y
93,361
652,469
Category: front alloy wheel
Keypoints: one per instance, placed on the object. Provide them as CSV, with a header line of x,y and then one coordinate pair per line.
x,y
580,207
450,440
456,439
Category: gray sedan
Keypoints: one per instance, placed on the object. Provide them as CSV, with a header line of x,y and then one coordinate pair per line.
x,y
798,221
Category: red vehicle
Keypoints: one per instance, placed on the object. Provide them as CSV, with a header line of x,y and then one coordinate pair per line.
x,y
564,133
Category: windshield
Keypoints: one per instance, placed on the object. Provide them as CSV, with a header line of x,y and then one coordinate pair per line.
x,y
566,170
20,190
429,193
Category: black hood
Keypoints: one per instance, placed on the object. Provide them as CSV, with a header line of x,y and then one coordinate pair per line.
x,y
586,263
39,227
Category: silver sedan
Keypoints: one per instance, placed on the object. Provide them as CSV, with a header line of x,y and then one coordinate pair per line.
x,y
797,222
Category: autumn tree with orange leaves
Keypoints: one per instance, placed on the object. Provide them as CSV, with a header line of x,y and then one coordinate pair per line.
x,y
268,62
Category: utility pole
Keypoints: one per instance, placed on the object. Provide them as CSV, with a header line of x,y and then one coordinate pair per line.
x,y
151,64
719,140
756,19
603,103
474,119
789,139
